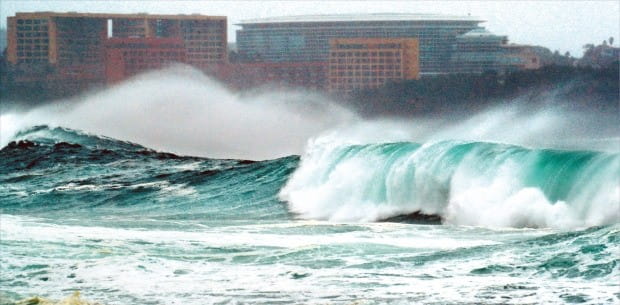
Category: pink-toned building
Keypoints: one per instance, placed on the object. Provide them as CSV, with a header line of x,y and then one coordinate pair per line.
x,y
126,57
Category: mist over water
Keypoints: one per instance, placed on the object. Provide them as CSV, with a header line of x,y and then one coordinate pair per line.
x,y
183,111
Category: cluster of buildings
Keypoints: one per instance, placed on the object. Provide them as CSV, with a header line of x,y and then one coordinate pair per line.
x,y
334,53
78,50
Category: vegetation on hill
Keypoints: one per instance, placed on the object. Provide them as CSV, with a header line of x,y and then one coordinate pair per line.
x,y
572,87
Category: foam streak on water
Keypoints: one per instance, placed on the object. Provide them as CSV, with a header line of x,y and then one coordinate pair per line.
x,y
302,262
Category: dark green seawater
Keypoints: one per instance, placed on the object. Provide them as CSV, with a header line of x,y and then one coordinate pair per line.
x,y
124,224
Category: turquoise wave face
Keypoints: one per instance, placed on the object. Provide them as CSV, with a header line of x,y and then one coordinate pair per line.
x,y
61,171
470,183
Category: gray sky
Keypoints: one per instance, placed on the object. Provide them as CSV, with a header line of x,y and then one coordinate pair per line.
x,y
558,25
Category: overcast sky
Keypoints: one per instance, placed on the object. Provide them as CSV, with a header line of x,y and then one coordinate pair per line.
x,y
558,25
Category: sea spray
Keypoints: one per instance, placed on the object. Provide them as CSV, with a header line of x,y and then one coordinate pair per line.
x,y
469,183
181,110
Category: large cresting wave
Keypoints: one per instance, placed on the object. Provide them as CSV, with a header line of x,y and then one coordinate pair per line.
x,y
463,182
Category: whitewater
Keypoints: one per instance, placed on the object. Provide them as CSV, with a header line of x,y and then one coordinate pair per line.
x,y
149,203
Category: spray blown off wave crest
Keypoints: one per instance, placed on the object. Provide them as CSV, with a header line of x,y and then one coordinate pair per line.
x,y
183,111
467,183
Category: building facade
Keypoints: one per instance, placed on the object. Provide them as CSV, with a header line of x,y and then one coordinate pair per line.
x,y
127,57
72,46
56,47
368,63
479,51
306,38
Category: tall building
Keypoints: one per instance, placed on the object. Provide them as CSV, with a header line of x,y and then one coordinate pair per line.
x,y
71,46
367,63
57,46
306,38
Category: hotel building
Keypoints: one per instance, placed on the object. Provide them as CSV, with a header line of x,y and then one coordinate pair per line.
x,y
45,46
306,38
367,63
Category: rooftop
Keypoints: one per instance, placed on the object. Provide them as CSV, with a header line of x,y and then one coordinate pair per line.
x,y
113,16
480,32
361,17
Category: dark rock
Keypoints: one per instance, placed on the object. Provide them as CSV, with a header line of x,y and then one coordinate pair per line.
x,y
65,145
23,144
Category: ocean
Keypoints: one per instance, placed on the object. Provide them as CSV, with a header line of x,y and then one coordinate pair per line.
x,y
396,222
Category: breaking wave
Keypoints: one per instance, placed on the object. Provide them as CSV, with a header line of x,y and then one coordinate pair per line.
x,y
463,182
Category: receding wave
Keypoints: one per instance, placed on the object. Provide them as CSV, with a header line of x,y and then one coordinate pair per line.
x,y
465,183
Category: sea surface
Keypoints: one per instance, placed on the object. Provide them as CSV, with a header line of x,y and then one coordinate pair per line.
x,y
447,222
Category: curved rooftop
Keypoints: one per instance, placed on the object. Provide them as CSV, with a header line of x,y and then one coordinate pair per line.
x,y
481,32
360,17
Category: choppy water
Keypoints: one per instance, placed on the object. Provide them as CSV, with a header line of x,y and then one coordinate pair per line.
x,y
124,224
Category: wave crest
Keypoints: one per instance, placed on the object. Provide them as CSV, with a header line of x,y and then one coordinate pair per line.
x,y
465,183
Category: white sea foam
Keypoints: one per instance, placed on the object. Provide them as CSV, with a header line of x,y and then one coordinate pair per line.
x,y
487,187
393,263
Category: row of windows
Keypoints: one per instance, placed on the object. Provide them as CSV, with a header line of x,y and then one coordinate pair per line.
x,y
381,60
200,63
350,23
204,44
36,28
193,24
363,54
285,70
361,81
204,31
206,58
213,55
71,56
205,50
31,21
128,22
349,87
31,60
32,47
133,33
32,41
79,40
365,67
342,74
83,53
145,61
203,37
359,32
153,53
369,46
32,34
127,30
42,53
